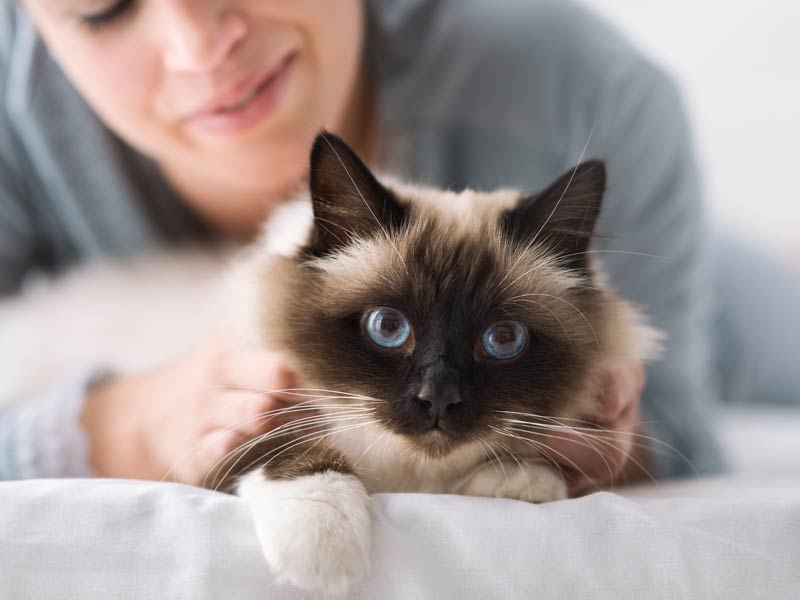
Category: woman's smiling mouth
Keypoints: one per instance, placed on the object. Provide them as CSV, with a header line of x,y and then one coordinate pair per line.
x,y
246,104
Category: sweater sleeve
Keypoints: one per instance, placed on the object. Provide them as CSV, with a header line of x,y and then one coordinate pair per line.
x,y
17,228
658,255
43,437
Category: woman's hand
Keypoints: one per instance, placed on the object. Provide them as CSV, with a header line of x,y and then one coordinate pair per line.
x,y
604,449
177,422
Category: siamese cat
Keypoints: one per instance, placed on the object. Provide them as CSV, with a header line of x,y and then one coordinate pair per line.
x,y
441,337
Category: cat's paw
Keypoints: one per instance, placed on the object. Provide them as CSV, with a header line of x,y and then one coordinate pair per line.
x,y
314,530
529,482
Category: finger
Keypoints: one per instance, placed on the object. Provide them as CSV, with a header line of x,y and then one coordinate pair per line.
x,y
251,414
594,457
595,472
225,453
591,456
241,410
211,449
257,370
615,390
635,467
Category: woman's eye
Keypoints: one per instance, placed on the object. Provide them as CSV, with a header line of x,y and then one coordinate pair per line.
x,y
504,340
387,327
108,15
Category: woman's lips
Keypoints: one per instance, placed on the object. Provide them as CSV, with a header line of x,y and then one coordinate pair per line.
x,y
246,105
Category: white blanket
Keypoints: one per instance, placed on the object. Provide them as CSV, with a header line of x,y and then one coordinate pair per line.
x,y
122,539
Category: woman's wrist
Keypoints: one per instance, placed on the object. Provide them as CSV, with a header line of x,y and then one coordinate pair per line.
x,y
111,420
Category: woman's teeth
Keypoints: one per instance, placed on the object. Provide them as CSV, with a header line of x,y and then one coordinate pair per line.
x,y
244,102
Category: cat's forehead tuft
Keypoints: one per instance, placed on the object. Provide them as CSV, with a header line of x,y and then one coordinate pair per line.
x,y
466,208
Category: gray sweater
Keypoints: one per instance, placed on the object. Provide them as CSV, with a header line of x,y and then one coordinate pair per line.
x,y
471,93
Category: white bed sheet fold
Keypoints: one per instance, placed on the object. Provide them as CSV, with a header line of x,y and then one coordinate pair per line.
x,y
87,539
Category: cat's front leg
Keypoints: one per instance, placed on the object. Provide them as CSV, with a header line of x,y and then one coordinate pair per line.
x,y
311,515
530,482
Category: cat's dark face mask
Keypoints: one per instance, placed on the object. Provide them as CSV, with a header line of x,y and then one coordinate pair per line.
x,y
445,328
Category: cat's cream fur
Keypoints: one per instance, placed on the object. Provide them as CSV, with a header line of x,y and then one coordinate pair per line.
x,y
125,316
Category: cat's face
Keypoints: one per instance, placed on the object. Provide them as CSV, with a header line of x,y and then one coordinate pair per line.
x,y
451,310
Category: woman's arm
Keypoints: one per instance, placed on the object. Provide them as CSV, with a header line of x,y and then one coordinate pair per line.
x,y
174,423
657,254
17,227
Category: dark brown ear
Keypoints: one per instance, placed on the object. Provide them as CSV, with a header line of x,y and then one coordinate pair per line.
x,y
348,201
563,216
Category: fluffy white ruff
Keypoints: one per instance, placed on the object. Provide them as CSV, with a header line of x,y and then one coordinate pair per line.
x,y
314,530
126,317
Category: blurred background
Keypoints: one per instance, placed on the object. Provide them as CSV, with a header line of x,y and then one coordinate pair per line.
x,y
738,64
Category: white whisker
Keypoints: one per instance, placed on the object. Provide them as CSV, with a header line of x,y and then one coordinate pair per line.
x,y
567,302
580,443
664,448
293,427
196,449
287,445
543,449
569,182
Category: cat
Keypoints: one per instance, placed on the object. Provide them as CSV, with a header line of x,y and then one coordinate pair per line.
x,y
437,332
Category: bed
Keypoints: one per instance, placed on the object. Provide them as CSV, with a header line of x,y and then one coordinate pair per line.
x,y
732,537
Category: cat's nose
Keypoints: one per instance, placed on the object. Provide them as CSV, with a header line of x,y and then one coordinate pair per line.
x,y
437,399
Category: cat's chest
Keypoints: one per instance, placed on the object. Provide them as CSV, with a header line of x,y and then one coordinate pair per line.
x,y
384,463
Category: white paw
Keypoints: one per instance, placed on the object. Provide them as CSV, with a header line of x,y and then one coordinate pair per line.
x,y
314,530
530,483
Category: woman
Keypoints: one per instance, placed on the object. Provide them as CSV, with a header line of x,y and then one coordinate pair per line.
x,y
134,123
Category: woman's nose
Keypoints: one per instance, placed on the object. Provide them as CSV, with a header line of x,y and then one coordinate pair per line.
x,y
199,37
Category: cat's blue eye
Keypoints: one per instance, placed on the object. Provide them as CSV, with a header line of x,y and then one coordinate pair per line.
x,y
387,327
504,340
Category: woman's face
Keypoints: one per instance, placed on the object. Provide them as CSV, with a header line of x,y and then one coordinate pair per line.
x,y
229,92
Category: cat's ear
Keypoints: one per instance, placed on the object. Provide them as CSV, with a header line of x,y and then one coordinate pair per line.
x,y
563,216
348,200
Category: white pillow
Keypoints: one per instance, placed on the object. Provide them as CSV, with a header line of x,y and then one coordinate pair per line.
x,y
104,539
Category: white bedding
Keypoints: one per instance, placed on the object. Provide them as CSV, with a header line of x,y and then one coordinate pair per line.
x,y
729,538
121,539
